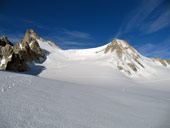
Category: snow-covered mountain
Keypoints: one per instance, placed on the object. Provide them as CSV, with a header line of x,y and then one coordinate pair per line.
x,y
117,54
112,86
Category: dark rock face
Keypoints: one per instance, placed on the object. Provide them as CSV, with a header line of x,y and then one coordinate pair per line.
x,y
4,40
2,43
16,57
17,64
30,44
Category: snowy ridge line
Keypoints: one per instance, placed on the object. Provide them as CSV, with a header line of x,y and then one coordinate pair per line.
x,y
119,53
112,86
116,55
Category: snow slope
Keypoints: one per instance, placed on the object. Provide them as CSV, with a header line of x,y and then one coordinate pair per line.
x,y
34,102
117,57
86,89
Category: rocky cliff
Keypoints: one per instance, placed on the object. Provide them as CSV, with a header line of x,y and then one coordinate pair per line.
x,y
17,57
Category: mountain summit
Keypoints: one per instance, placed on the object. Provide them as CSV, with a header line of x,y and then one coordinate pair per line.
x,y
125,57
129,60
118,54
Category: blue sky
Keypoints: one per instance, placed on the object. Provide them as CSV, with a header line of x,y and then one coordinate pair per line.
x,y
144,24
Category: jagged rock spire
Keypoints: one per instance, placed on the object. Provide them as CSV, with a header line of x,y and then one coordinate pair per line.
x,y
4,40
16,57
29,35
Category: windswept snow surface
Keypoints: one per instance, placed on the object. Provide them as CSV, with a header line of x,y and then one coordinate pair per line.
x,y
82,89
34,102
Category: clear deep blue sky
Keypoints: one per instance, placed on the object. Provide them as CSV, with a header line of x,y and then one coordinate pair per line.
x,y
144,24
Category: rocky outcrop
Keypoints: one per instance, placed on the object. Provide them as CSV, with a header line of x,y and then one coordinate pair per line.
x,y
6,52
30,47
126,59
168,61
17,57
119,53
161,61
4,40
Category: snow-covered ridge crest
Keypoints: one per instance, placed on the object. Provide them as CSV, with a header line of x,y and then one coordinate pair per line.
x,y
44,44
121,56
118,54
125,57
129,61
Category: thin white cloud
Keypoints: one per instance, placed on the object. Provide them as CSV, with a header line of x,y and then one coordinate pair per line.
x,y
161,22
141,13
67,39
146,19
72,43
71,38
5,18
12,36
62,36
15,37
32,23
156,50
136,18
76,34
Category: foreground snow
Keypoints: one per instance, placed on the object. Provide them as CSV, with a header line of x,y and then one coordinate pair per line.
x,y
85,89
34,102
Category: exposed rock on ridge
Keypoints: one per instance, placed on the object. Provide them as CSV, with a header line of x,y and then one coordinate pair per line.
x,y
119,53
161,61
127,59
4,40
17,57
